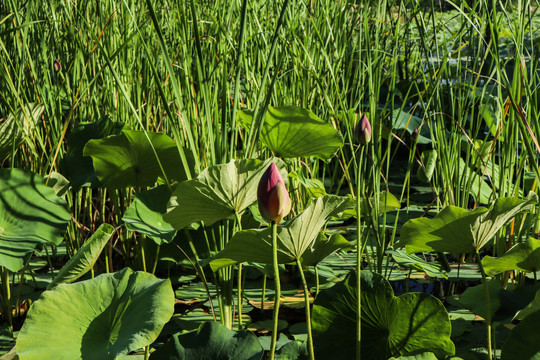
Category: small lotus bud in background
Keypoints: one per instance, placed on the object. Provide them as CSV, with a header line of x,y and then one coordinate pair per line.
x,y
57,66
363,130
273,198
414,135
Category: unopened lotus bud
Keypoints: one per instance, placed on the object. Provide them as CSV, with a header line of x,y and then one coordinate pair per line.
x,y
57,66
364,130
414,135
273,198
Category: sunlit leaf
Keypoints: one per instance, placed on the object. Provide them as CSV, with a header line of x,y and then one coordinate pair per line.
x,y
217,192
429,161
291,131
458,230
127,160
102,318
85,258
524,256
294,238
17,126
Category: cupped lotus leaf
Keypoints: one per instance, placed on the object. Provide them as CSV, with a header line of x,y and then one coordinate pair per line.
x,y
212,341
429,162
522,343
524,256
420,356
85,258
291,131
31,214
102,318
17,126
217,193
413,262
457,230
391,326
77,167
293,240
129,160
145,215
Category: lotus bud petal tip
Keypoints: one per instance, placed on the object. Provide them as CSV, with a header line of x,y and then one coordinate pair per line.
x,y
272,195
57,66
364,130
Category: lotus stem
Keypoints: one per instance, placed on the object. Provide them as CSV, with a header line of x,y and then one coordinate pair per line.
x,y
6,296
359,249
308,315
488,305
278,291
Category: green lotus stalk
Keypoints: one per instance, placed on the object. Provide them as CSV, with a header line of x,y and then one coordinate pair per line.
x,y
274,204
308,315
488,305
363,135
277,299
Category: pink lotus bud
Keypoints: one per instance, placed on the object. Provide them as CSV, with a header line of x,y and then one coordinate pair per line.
x,y
272,195
364,130
57,66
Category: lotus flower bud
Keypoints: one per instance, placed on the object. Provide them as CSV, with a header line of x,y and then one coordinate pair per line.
x,y
272,195
364,130
57,66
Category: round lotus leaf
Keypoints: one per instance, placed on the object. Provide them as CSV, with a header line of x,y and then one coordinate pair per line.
x,y
31,214
291,131
391,326
102,318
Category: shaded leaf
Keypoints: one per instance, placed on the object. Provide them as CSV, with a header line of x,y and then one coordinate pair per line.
x,y
391,326
145,215
212,341
429,161
522,343
77,167
30,215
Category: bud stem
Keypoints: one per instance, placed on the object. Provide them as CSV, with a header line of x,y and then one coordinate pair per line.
x,y
278,291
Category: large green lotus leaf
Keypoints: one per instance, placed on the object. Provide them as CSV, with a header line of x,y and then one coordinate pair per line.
x,y
524,256
522,343
145,215
128,159
291,131
17,126
294,238
457,230
422,356
77,167
30,215
403,120
217,193
212,341
101,318
391,326
85,258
